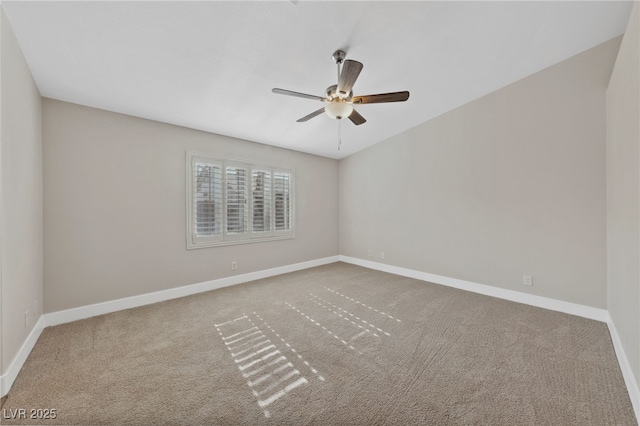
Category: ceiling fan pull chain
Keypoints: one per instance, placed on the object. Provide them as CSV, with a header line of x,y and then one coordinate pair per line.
x,y
339,121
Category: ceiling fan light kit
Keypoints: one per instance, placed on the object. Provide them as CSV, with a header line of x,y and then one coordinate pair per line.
x,y
340,100
338,109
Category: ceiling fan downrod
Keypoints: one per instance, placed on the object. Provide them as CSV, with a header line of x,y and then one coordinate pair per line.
x,y
339,57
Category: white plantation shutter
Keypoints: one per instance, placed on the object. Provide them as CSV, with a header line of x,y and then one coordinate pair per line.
x,y
282,200
261,201
207,200
236,199
231,202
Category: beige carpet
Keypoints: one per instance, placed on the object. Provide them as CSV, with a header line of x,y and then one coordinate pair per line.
x,y
332,345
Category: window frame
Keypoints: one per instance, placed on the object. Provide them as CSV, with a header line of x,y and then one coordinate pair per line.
x,y
250,236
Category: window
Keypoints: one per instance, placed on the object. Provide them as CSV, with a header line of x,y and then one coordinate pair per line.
x,y
230,202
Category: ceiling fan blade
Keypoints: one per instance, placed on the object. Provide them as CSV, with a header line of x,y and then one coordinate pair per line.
x,y
381,98
348,76
297,94
356,118
310,116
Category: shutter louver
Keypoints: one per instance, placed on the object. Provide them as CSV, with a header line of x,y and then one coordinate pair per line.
x,y
282,199
236,200
261,199
207,199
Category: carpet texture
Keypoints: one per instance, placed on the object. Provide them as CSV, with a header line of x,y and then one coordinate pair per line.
x,y
332,345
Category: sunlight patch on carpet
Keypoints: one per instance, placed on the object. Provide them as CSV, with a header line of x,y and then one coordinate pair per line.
x,y
360,303
348,313
326,330
268,372
291,348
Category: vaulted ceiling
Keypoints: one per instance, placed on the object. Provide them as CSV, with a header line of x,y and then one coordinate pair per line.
x,y
212,65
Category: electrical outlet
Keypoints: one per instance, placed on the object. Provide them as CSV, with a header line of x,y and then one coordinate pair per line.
x,y
527,280
234,265
381,255
370,253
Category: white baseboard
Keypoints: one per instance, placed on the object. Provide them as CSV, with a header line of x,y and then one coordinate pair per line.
x,y
7,379
625,367
501,293
74,314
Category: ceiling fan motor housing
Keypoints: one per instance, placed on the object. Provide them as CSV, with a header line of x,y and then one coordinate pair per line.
x,y
332,93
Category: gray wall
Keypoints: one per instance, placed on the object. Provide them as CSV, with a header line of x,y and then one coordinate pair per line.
x,y
623,193
114,207
510,184
21,201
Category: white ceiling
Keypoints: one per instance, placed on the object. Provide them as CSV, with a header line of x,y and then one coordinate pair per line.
x,y
212,65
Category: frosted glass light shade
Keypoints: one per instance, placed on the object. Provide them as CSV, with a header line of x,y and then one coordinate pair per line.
x,y
338,110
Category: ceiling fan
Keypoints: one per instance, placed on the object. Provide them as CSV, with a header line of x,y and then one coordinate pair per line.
x,y
339,99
